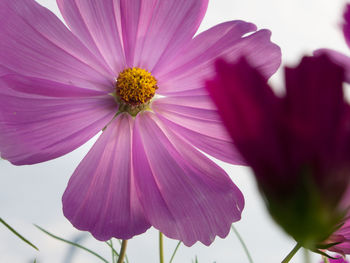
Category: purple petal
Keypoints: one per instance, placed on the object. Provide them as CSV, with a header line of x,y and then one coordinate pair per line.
x,y
41,120
184,194
97,24
227,40
346,24
252,118
155,31
341,235
339,58
315,111
34,42
188,115
100,196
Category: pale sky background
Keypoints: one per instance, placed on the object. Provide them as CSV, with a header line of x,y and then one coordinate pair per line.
x,y
32,194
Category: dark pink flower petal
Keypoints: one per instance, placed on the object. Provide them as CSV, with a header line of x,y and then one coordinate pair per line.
x,y
196,119
346,25
337,57
183,193
34,42
343,236
227,40
147,30
41,119
315,109
101,196
250,111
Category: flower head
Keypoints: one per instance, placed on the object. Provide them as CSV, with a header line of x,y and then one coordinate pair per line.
x,y
133,69
297,145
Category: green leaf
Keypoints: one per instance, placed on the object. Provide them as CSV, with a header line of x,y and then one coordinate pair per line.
x,y
17,234
73,244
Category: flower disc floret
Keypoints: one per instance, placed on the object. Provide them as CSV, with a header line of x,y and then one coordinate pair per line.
x,y
135,86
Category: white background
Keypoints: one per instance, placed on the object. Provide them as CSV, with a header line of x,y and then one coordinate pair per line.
x,y
31,194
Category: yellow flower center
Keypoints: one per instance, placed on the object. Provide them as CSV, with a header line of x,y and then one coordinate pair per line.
x,y
135,86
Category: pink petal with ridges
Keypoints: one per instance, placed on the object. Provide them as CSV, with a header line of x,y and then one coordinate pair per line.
x,y
97,24
227,40
41,120
101,196
34,42
184,194
196,119
155,31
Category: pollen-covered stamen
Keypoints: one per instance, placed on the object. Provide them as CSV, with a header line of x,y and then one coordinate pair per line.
x,y
135,86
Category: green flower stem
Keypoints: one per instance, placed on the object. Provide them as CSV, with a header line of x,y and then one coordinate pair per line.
x,y
161,250
18,234
174,253
292,253
243,244
122,251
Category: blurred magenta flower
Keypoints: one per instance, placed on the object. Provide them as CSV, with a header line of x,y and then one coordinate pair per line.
x,y
133,69
296,144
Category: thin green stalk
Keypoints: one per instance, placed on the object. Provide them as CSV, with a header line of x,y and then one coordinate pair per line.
x,y
161,249
292,253
122,251
114,252
18,234
73,244
243,244
325,259
176,248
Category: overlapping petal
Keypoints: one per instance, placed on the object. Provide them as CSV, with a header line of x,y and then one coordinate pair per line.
x,y
182,192
227,40
34,42
136,32
97,24
101,196
41,119
196,119
252,119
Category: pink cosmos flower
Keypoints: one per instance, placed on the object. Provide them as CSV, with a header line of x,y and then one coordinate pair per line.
x,y
133,69
298,145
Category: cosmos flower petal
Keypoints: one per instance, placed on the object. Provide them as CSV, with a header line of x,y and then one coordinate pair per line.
x,y
41,119
155,31
251,119
337,57
97,24
346,25
197,120
342,235
184,194
34,42
315,106
101,196
227,40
